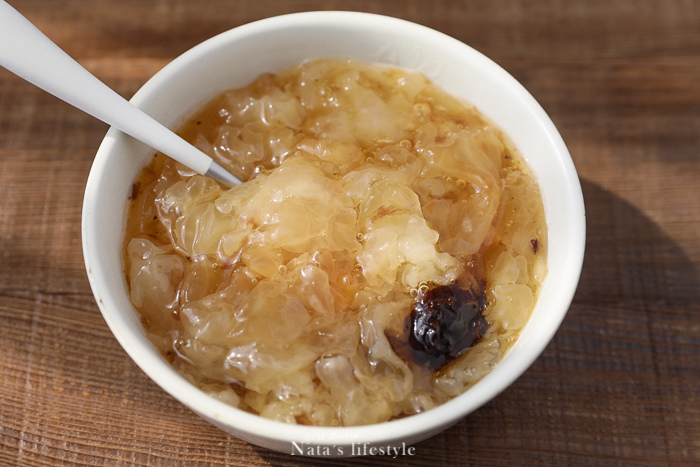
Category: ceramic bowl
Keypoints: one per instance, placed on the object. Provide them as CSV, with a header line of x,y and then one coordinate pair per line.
x,y
235,58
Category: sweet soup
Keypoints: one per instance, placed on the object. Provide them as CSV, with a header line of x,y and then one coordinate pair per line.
x,y
386,249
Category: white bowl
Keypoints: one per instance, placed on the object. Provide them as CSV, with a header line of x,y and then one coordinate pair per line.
x,y
235,58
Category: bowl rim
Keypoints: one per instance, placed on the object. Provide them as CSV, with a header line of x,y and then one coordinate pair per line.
x,y
436,419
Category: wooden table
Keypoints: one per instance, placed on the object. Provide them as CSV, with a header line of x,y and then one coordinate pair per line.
x,y
620,382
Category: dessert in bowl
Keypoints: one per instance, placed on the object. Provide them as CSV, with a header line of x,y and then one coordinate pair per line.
x,y
366,197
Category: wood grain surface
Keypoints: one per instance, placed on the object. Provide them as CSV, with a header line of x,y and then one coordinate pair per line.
x,y
618,385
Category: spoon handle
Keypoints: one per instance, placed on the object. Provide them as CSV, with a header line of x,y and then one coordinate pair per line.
x,y
28,53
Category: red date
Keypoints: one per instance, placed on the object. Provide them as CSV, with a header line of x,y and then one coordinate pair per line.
x,y
444,323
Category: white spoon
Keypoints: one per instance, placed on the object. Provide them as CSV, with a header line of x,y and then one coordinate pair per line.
x,y
28,53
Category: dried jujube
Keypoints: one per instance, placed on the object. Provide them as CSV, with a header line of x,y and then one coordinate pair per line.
x,y
445,322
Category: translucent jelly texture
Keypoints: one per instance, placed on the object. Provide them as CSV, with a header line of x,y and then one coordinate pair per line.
x,y
291,295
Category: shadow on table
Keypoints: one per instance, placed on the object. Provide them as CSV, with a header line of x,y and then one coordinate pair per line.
x,y
629,256
622,324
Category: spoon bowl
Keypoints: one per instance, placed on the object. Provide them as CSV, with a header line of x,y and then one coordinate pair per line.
x,y
234,59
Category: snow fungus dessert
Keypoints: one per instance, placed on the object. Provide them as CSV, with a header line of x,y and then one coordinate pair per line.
x,y
383,254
